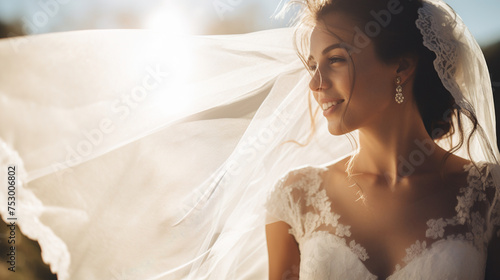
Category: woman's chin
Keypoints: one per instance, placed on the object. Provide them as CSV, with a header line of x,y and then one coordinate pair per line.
x,y
336,130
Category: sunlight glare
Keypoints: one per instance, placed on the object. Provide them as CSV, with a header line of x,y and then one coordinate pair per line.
x,y
168,19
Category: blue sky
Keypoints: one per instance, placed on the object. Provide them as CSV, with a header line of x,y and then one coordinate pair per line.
x,y
481,16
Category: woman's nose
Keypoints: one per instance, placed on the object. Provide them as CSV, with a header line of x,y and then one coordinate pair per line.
x,y
317,82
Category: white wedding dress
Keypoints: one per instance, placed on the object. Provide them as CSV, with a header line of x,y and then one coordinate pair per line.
x,y
451,247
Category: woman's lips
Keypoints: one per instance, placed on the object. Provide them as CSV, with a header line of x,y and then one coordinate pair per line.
x,y
331,106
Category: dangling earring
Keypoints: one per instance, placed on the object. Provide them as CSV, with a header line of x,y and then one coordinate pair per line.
x,y
399,91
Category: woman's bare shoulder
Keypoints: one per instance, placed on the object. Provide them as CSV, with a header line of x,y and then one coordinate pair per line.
x,y
335,173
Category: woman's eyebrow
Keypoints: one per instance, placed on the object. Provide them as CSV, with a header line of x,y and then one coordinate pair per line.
x,y
329,48
332,47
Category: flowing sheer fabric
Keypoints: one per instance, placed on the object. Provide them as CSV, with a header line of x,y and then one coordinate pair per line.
x,y
147,156
144,155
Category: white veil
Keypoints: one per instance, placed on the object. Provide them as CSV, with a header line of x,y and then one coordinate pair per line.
x,y
118,134
142,156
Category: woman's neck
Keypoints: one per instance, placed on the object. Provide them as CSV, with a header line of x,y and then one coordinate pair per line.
x,y
396,147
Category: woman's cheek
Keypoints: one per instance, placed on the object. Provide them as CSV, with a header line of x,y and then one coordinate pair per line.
x,y
315,95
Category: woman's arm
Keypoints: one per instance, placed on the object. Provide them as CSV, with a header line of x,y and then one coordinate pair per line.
x,y
283,251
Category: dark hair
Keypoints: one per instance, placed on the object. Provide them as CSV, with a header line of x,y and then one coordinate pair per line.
x,y
399,37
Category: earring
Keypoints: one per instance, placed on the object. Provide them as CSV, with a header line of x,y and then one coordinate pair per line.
x,y
399,91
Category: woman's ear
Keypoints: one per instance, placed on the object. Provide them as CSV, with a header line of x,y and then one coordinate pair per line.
x,y
406,67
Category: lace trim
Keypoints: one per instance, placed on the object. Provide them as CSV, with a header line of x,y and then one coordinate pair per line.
x,y
54,250
477,183
358,250
436,228
438,32
415,250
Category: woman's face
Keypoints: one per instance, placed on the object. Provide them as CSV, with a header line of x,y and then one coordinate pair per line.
x,y
333,76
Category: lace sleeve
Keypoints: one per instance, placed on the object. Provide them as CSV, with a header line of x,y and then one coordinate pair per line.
x,y
281,202
293,201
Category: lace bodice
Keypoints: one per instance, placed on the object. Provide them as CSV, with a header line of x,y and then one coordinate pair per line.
x,y
450,248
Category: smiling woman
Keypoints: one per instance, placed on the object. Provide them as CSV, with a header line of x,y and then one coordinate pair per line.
x,y
418,52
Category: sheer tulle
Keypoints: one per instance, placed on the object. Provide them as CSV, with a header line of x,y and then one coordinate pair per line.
x,y
121,133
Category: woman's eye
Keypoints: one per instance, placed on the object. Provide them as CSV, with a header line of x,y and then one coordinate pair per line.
x,y
335,59
331,60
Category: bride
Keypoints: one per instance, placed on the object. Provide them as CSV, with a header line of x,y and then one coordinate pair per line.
x,y
144,156
389,210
